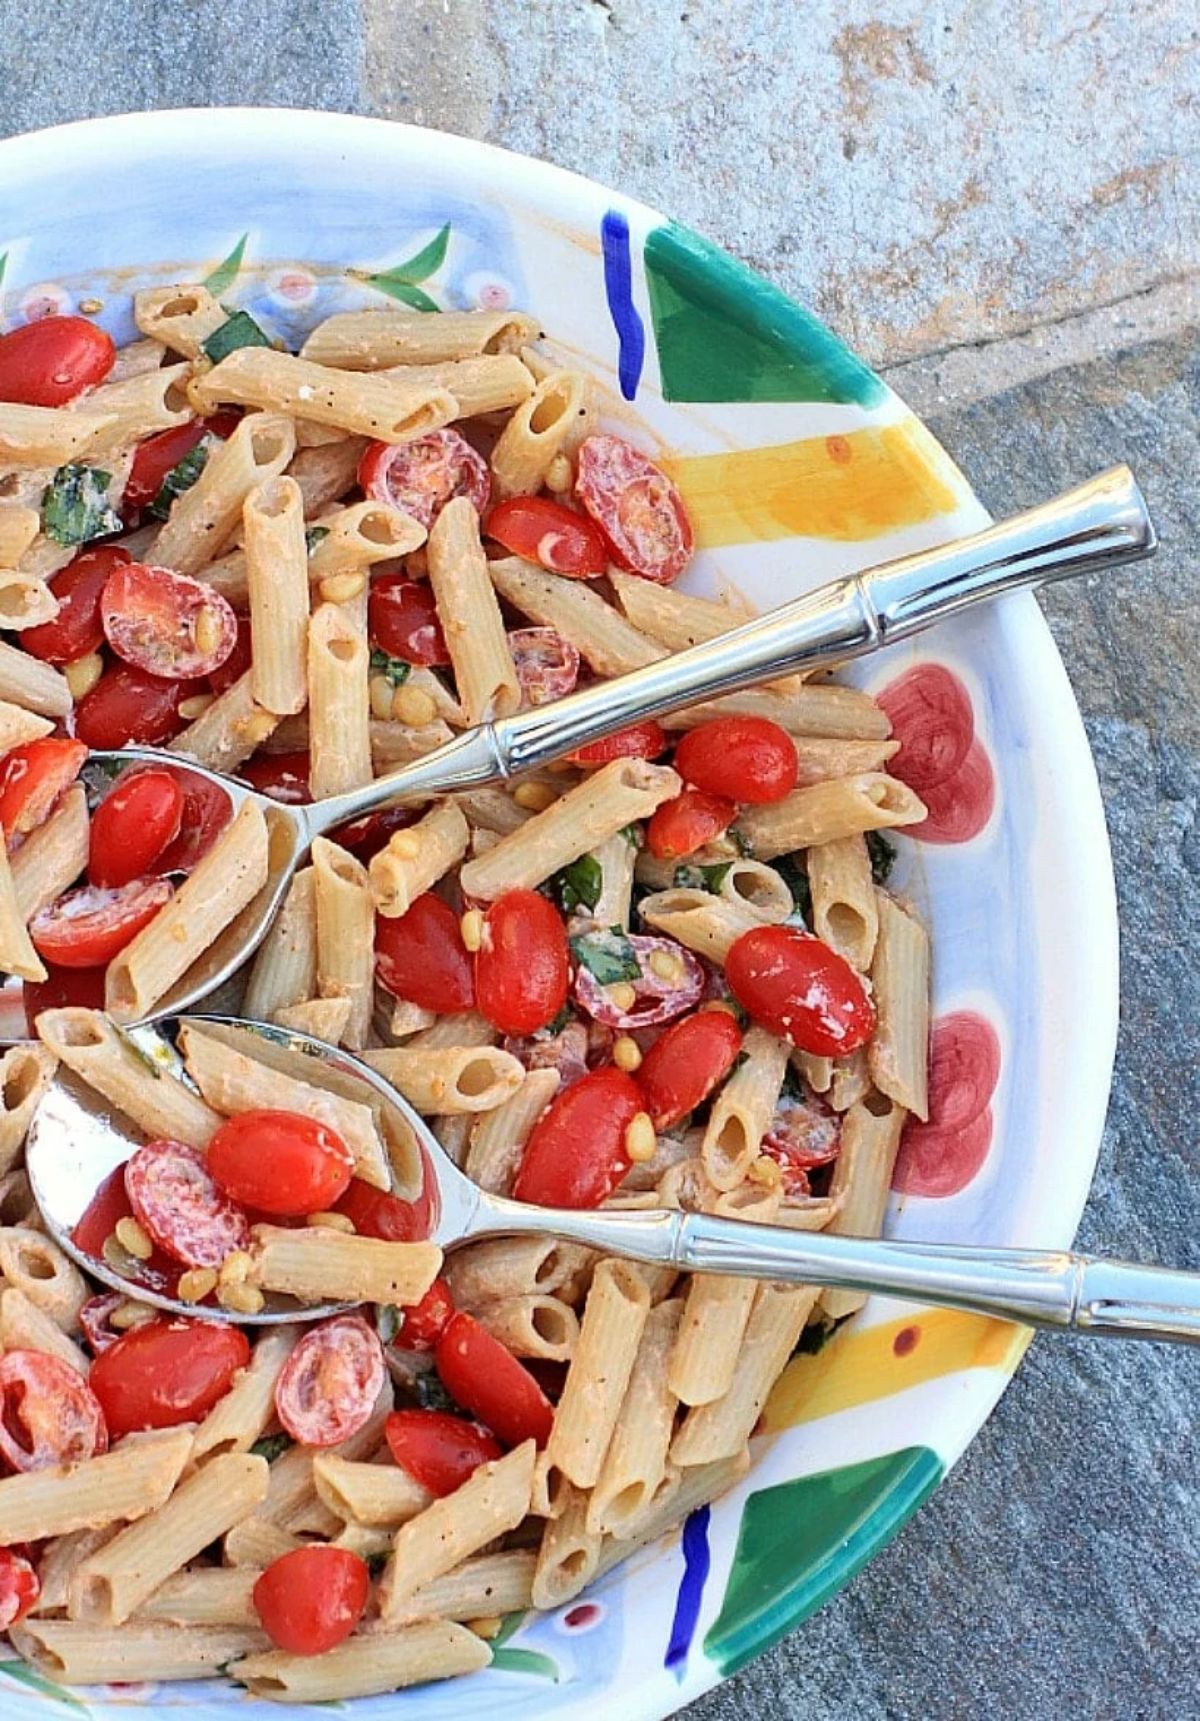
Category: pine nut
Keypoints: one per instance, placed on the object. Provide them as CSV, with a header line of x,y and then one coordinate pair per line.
x,y
622,995
488,1626
236,1267
534,797
257,727
331,1221
196,706
381,692
764,1170
412,705
206,635
131,1237
127,1315
666,965
341,588
241,1299
640,1139
117,1256
195,1285
471,927
626,1053
84,673
559,475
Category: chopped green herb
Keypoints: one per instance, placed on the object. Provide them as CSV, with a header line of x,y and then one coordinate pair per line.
x,y
565,1016
388,1322
395,668
740,841
607,955
239,330
181,478
75,507
271,1446
633,835
709,878
430,1394
883,856
795,875
314,535
579,885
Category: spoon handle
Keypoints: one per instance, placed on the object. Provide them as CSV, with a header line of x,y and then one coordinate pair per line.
x,y
1100,525
1037,1287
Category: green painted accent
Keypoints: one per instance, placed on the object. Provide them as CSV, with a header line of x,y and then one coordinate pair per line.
x,y
401,282
3,265
226,272
800,1542
509,1626
530,1661
22,1674
725,334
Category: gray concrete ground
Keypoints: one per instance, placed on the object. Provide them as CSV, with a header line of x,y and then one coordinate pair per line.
x,y
1000,201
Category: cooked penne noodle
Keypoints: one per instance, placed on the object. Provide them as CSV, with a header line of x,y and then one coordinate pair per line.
x,y
204,516
675,619
35,686
452,1081
229,729
26,1327
534,1325
277,585
823,812
140,405
700,921
345,934
134,1478
80,1653
205,1595
365,1666
136,358
324,1018
485,1585
25,600
109,1061
843,899
386,408
19,526
600,633
52,857
515,1266
48,435
325,474
817,1072
17,726
898,1054
403,1019
742,1110
568,1555
361,535
57,1565
493,382
242,1416
368,1493
374,340
498,1137
339,704
705,1354
35,1265
285,968
181,318
599,807
617,1306
17,954
394,744
536,432
17,1206
673,1505
25,1073
636,1461
320,1265
254,1543
817,761
415,858
862,1178
492,810
849,1080
484,671
617,858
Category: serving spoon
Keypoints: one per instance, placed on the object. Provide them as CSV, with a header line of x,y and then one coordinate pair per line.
x,y
74,1144
1100,525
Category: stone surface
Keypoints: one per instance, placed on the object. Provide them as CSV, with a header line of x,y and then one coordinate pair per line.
x,y
927,176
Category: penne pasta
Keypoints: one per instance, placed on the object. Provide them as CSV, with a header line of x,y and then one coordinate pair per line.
x,y
373,340
485,1585
368,1493
285,968
134,1478
345,935
484,671
898,1055
25,1073
229,729
498,1137
613,1318
365,1666
569,1553
31,684
180,318
742,1110
108,1060
700,921
24,1326
844,913
19,526
339,707
277,584
450,1081
600,633
385,408
319,1265
25,600
33,436
17,726
415,858
824,812
536,432
242,1416
862,1178
636,1461
533,1325
705,1353
17,954
35,1265
52,857
204,517
84,1654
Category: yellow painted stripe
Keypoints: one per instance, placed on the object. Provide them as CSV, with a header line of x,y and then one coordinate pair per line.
x,y
850,487
861,1365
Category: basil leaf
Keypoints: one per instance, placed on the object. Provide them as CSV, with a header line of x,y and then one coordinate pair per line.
x,y
239,330
607,955
709,878
388,1322
795,876
557,1024
314,535
181,478
75,507
395,668
740,841
883,856
633,835
271,1446
430,1394
580,884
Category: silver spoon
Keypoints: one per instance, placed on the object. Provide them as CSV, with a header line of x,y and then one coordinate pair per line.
x,y
1098,526
73,1144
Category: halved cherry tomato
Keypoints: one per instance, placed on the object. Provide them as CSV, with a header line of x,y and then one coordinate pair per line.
x,y
166,623
311,1599
403,620
127,705
522,968
636,507
799,988
32,778
207,810
804,1134
678,828
77,629
747,759
20,1586
166,1372
656,997
485,1377
378,1213
133,825
648,740
48,1413
550,534
547,665
686,1063
280,1162
238,661
369,833
421,956
283,776
98,1220
421,476
422,1324
575,1155
439,1451
331,1381
49,362
95,1319
88,926
157,455
180,1205
565,1052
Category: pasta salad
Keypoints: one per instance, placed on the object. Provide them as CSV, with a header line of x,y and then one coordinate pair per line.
x,y
666,971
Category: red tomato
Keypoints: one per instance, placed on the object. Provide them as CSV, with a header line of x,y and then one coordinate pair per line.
x,y
99,1218
403,620
238,661
77,628
283,776
686,1063
523,967
486,1379
422,1324
87,927
799,988
376,1213
420,956
575,1155
804,1134
128,706
95,1319
421,476
207,809
280,1162
49,362
657,997
166,623
365,836
648,740
166,1372
48,1412
547,665
439,1451
330,1382
133,825
746,759
178,1202
19,1587
310,1600
32,778
638,509
159,454
680,827
550,534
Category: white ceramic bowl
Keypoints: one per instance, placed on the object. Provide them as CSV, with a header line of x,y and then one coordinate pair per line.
x,y
798,465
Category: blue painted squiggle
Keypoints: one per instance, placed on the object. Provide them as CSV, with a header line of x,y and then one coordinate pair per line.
x,y
696,1562
618,286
